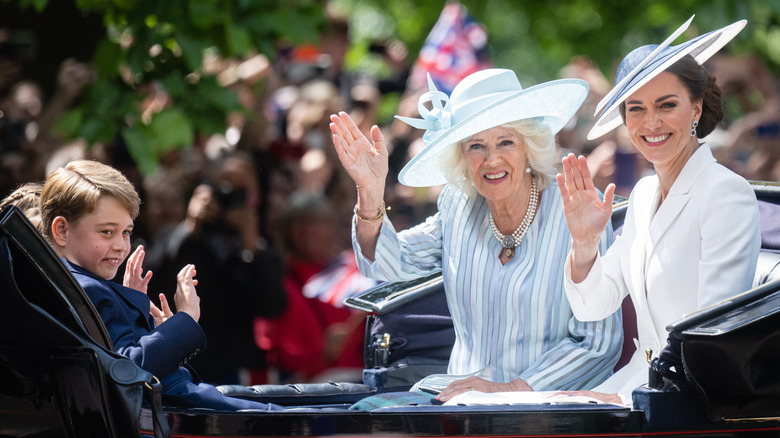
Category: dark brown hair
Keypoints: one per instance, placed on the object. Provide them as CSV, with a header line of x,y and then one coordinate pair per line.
x,y
700,85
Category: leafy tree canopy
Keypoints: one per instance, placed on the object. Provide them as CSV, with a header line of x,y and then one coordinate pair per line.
x,y
162,43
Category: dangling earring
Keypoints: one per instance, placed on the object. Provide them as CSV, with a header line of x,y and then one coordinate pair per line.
x,y
527,167
693,130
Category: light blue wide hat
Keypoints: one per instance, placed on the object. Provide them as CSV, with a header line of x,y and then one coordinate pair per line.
x,y
483,100
646,62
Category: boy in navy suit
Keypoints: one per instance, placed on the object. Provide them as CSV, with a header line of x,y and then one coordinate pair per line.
x,y
88,210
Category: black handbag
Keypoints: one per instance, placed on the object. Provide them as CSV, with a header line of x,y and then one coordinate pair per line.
x,y
100,391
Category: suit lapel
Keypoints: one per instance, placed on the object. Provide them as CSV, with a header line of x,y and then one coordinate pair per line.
x,y
651,226
679,195
665,216
640,247
138,300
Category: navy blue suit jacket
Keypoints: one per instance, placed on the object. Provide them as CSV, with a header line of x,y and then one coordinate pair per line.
x,y
162,350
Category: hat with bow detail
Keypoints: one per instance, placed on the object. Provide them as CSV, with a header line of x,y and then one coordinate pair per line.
x,y
646,62
483,100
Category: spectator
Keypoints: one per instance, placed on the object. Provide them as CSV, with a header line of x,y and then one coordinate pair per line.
x,y
317,337
240,276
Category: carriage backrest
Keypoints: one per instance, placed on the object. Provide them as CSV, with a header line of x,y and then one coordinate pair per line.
x,y
43,280
54,346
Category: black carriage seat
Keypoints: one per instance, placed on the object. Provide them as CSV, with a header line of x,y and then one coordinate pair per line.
x,y
327,394
56,357
420,336
768,268
44,306
419,306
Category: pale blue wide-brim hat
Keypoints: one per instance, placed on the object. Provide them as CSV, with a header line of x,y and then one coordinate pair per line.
x,y
646,62
483,100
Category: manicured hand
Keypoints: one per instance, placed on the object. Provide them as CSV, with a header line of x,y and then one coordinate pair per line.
x,y
134,277
586,214
366,163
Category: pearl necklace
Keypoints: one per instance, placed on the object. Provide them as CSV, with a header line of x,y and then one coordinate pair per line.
x,y
509,242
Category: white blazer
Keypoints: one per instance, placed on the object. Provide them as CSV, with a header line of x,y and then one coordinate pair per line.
x,y
698,248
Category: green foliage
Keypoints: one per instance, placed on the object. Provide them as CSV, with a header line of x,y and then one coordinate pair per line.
x,y
537,38
158,46
38,5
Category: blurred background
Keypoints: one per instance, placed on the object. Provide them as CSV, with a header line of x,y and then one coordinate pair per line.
x,y
217,110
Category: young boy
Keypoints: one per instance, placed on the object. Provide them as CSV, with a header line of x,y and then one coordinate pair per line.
x,y
88,210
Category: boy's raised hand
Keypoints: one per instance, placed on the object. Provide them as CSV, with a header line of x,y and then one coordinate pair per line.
x,y
161,315
134,278
186,297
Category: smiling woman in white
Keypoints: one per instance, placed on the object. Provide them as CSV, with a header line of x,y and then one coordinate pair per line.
x,y
691,236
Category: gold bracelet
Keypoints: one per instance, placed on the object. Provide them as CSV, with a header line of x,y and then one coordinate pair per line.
x,y
379,217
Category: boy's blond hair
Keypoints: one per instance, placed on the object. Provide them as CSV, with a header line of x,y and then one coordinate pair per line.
x,y
74,191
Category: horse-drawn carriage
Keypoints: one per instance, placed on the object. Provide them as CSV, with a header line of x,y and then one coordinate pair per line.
x,y
60,377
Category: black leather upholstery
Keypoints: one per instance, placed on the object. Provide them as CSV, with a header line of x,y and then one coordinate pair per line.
x,y
300,393
767,268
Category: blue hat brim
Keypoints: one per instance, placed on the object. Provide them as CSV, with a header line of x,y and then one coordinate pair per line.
x,y
700,48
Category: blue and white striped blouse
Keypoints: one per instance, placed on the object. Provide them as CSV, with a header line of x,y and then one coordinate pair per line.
x,y
512,321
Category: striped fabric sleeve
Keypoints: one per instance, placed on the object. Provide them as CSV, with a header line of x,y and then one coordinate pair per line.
x,y
584,358
403,256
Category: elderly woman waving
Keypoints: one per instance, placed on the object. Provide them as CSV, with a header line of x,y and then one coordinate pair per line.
x,y
499,236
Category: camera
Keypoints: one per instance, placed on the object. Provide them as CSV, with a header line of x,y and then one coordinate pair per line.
x,y
229,196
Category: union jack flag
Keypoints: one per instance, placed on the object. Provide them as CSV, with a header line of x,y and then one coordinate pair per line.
x,y
338,281
455,48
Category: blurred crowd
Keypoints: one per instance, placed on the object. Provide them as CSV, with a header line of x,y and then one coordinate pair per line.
x,y
264,210
748,142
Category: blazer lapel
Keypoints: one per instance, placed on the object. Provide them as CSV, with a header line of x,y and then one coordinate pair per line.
x,y
679,194
651,227
665,216
640,247
137,300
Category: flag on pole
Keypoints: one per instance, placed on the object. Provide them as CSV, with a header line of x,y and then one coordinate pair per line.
x,y
455,48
